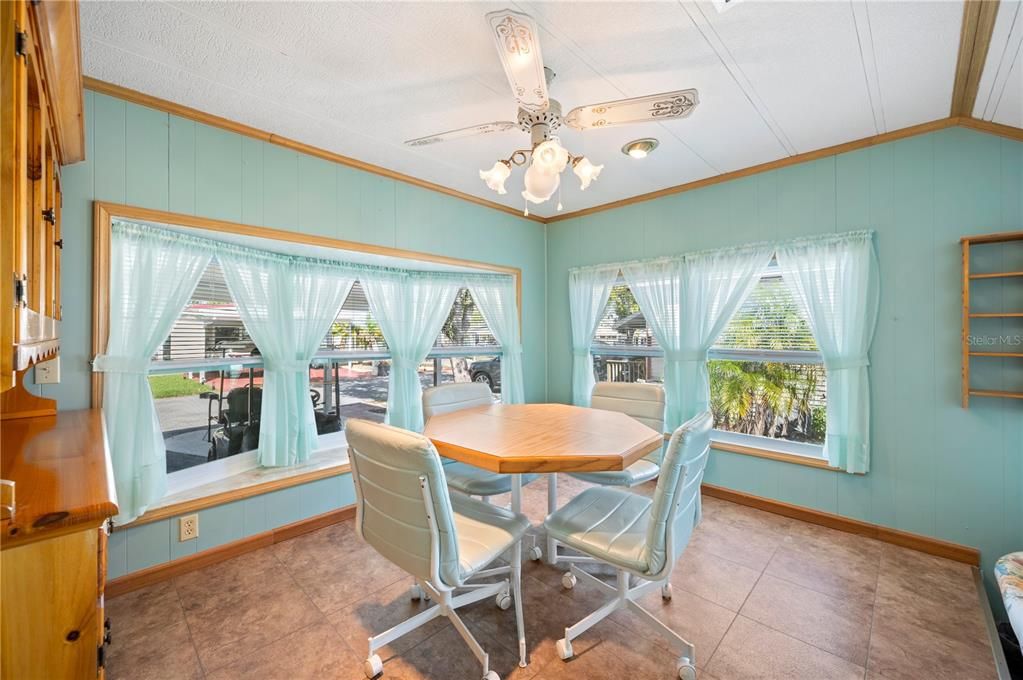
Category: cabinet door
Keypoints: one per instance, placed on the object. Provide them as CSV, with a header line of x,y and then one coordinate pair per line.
x,y
49,622
13,159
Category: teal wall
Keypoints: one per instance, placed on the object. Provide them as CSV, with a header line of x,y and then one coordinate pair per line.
x,y
148,545
143,157
937,470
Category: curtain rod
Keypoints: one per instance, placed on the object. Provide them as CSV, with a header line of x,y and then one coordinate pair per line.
x,y
129,228
681,257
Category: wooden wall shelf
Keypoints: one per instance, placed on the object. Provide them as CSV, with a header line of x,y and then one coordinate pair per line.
x,y
1013,278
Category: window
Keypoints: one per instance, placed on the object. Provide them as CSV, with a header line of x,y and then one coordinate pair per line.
x,y
207,377
624,348
767,378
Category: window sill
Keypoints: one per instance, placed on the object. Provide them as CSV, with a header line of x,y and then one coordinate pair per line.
x,y
325,463
761,452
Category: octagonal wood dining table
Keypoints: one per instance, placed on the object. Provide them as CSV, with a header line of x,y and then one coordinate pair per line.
x,y
541,438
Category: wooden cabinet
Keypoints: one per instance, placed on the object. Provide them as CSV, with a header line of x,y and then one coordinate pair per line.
x,y
53,547
41,129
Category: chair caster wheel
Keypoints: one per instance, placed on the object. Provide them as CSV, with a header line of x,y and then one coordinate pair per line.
x,y
535,553
373,666
491,676
686,670
568,580
504,601
416,593
666,591
564,648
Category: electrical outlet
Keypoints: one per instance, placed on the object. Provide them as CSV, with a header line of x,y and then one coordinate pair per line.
x,y
48,372
188,527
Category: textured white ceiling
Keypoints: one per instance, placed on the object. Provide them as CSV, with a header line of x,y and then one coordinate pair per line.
x,y
1000,95
775,78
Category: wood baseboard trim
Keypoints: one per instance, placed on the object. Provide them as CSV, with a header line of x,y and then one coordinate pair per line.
x,y
905,539
168,570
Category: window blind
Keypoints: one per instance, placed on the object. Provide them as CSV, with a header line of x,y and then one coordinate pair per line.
x,y
209,326
355,329
465,325
769,320
623,324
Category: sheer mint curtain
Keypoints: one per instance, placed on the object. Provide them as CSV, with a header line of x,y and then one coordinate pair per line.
x,y
836,281
688,302
287,306
588,291
151,278
496,301
411,310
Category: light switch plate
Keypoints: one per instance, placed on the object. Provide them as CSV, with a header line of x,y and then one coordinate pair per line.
x,y
48,372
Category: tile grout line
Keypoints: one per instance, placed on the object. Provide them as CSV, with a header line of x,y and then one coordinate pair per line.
x,y
737,614
873,613
188,627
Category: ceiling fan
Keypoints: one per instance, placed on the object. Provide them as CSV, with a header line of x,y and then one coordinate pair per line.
x,y
517,39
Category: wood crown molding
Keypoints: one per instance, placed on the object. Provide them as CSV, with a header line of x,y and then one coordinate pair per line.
x,y
905,539
974,40
924,128
966,121
168,570
182,111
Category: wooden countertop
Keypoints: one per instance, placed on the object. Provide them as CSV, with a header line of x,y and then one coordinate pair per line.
x,y
61,469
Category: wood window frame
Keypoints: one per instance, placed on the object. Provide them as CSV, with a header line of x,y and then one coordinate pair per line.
x,y
105,212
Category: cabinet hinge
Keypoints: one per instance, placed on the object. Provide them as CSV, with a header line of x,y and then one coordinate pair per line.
x,y
101,654
49,216
20,290
20,43
59,243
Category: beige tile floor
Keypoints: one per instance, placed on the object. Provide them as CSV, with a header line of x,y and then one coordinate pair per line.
x,y
761,596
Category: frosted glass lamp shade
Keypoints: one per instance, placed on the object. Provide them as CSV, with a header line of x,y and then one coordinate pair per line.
x,y
586,171
495,176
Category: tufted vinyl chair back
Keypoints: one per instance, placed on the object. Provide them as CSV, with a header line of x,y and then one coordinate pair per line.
x,y
681,475
392,515
642,401
455,397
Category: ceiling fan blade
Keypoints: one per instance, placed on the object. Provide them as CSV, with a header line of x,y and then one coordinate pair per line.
x,y
649,109
518,44
485,129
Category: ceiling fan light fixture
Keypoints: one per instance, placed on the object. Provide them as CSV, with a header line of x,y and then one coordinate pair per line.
x,y
640,148
496,176
550,156
586,171
540,185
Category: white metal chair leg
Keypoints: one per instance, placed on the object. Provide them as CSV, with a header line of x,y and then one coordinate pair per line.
x,y
520,625
552,505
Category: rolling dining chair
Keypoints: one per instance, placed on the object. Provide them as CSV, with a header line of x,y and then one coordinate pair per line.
x,y
643,402
638,536
463,477
404,510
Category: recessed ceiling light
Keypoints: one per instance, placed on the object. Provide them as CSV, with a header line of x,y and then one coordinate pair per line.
x,y
640,148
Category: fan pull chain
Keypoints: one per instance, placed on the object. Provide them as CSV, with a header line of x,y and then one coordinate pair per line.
x,y
559,198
